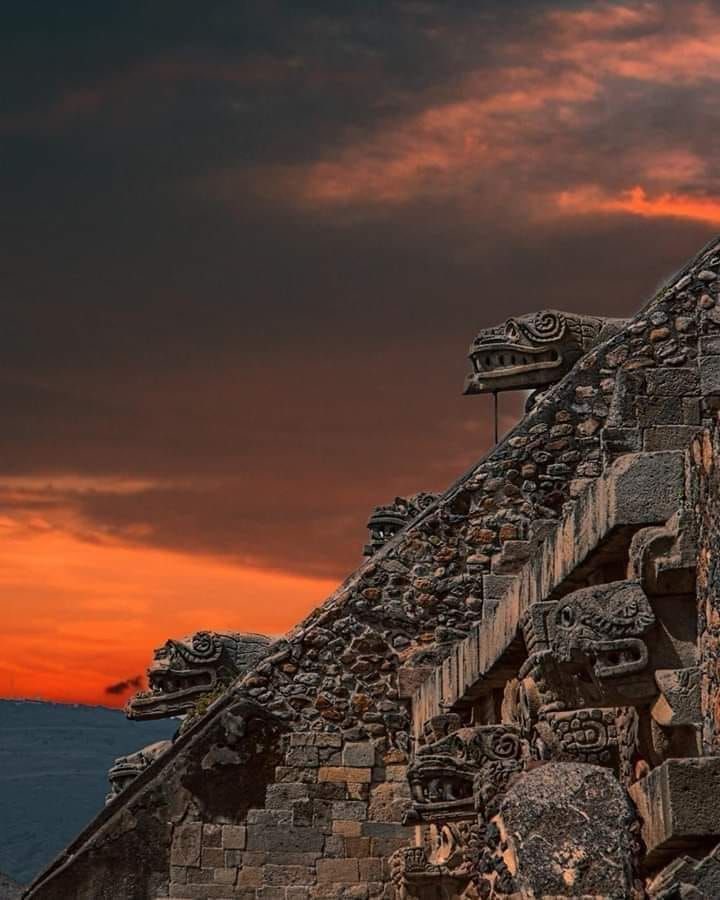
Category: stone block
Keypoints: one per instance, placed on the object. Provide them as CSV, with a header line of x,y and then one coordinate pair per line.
x,y
271,817
384,829
334,847
709,345
199,876
212,835
234,837
359,754
646,487
357,790
494,586
621,440
199,891
280,796
327,791
347,827
270,893
672,382
225,876
687,878
285,840
672,802
287,874
178,874
345,773
250,876
295,892
212,857
344,871
302,812
293,859
490,608
370,869
512,557
679,700
315,739
410,678
660,411
354,810
669,437
286,774
357,846
303,756
709,374
187,841
568,828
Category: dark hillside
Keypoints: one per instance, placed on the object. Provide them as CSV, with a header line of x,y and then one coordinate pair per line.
x,y
53,765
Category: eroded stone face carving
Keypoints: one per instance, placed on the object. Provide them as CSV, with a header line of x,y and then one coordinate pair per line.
x,y
187,669
462,772
534,350
588,648
457,780
386,521
127,768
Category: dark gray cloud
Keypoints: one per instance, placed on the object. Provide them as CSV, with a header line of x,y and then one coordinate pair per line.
x,y
124,687
179,309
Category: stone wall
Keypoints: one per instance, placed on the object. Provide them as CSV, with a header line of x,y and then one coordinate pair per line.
x,y
707,490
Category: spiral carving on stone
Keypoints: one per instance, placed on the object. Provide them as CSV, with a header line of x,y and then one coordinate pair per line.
x,y
205,648
547,326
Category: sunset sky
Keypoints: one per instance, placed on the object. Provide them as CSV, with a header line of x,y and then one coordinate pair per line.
x,y
245,248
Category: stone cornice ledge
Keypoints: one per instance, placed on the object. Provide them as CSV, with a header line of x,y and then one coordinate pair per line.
x,y
639,489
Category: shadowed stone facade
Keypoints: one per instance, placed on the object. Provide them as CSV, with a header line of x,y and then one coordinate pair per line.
x,y
516,696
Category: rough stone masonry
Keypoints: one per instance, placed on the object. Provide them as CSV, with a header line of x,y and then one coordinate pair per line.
x,y
515,696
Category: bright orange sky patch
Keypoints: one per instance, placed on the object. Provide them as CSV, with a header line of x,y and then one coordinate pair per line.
x,y
592,199
79,616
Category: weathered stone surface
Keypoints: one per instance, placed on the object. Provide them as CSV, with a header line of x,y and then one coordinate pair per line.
x,y
186,846
672,802
647,487
567,829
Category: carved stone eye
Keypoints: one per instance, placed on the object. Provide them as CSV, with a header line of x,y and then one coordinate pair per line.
x,y
512,331
566,617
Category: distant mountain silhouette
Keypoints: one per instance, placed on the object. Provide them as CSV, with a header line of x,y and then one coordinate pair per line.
x,y
53,776
9,889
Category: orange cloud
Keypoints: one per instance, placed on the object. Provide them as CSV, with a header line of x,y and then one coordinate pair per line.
x,y
508,118
644,42
446,146
78,616
593,199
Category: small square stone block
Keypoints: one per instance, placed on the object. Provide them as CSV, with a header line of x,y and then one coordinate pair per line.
x,y
187,840
674,803
360,754
343,871
234,837
345,773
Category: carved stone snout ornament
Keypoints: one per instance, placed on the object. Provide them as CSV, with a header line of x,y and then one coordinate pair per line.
x,y
458,776
588,649
534,350
184,670
386,521
127,768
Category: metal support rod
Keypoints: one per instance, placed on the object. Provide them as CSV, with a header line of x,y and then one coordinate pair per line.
x,y
495,405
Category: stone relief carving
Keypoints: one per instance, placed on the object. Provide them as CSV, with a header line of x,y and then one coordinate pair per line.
x,y
127,768
385,521
185,670
534,350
